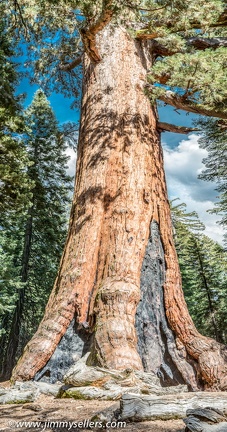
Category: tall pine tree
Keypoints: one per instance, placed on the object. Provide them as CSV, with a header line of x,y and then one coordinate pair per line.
x,y
42,229
203,264
15,184
214,140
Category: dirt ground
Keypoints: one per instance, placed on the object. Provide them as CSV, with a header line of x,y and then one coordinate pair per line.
x,y
46,410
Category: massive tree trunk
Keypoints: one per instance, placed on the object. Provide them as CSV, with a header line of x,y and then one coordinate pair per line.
x,y
120,190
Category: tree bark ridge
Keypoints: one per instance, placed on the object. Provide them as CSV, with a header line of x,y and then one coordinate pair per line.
x,y
159,350
99,275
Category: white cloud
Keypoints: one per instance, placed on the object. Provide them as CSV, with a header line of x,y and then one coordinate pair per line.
x,y
72,161
182,165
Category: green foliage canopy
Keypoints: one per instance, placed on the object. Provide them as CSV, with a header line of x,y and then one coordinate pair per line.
x,y
54,36
15,185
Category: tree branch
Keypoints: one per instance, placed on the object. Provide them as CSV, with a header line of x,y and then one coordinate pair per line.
x,y
17,7
141,34
203,43
161,50
88,34
197,42
167,127
181,103
67,67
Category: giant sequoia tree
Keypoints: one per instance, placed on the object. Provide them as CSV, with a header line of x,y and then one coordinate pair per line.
x,y
120,233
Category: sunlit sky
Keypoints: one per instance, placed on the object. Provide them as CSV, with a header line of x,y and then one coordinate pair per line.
x,y
182,155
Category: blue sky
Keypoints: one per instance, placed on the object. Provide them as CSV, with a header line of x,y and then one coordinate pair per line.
x,y
182,155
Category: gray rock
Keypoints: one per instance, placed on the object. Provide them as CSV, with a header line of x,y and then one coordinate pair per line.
x,y
23,392
39,387
15,396
107,415
115,392
2,391
82,375
48,389
195,425
209,414
151,407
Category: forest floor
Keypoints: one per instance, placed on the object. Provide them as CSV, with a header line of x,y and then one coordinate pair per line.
x,y
60,415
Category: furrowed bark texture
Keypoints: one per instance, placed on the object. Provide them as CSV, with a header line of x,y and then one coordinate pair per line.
x,y
160,352
120,188
111,211
127,199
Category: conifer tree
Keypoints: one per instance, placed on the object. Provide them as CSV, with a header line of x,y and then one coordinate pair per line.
x,y
134,53
214,140
14,183
42,228
203,265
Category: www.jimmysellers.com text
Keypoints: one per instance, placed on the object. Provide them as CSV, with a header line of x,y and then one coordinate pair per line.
x,y
69,425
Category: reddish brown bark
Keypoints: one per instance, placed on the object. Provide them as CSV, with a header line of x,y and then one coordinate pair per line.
x,y
89,34
111,211
120,188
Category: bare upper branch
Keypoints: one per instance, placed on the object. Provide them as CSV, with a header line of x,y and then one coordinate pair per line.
x,y
181,103
67,67
203,43
197,42
167,127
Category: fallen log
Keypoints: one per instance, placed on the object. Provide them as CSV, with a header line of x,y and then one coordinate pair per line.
x,y
205,420
136,407
195,425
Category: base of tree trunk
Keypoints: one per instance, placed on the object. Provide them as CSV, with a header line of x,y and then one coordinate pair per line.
x,y
159,350
157,345
75,343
